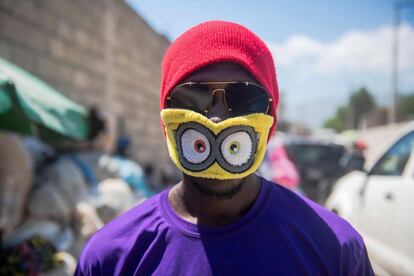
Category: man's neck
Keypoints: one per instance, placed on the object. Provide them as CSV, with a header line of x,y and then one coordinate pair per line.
x,y
196,207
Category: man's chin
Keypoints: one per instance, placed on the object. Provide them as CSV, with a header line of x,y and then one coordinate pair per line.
x,y
216,188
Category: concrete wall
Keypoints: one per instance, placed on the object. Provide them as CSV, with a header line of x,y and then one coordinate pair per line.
x,y
95,52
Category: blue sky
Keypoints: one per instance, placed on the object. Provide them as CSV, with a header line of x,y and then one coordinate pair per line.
x,y
323,49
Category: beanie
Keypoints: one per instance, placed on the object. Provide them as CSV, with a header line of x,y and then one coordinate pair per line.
x,y
214,42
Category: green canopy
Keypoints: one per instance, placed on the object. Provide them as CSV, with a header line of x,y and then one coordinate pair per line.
x,y
29,106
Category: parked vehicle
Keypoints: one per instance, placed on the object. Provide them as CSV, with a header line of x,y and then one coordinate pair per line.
x,y
379,203
318,164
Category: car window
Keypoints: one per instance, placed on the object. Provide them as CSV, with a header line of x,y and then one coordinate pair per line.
x,y
314,154
393,162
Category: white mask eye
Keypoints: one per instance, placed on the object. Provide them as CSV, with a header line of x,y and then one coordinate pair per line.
x,y
237,148
195,146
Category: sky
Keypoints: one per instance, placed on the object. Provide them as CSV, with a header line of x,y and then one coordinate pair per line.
x,y
323,50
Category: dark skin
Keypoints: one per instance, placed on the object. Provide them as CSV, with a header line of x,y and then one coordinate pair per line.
x,y
212,202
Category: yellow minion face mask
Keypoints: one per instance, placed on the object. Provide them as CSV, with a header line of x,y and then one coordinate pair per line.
x,y
230,149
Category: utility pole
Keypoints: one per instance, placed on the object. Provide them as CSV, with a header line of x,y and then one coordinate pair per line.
x,y
392,116
393,110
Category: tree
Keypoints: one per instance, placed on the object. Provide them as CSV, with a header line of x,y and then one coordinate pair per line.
x,y
406,107
361,104
340,121
334,123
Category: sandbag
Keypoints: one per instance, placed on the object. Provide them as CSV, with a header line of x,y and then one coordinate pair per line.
x,y
16,172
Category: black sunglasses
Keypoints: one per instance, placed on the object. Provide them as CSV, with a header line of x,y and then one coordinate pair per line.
x,y
241,98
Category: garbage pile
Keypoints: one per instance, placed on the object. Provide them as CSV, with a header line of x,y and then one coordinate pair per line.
x,y
64,173
51,203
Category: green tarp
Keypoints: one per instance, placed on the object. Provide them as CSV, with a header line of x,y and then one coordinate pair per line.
x,y
29,106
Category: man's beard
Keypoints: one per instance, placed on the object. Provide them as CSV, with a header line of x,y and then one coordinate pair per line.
x,y
205,188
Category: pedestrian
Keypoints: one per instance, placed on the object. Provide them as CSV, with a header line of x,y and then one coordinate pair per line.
x,y
219,98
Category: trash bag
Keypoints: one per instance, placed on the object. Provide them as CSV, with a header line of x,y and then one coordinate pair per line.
x,y
37,149
33,256
16,170
86,222
60,188
67,268
49,202
68,178
114,198
60,236
129,171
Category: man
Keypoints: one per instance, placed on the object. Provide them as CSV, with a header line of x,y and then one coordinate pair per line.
x,y
218,105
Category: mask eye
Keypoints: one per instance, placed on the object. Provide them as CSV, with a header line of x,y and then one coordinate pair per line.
x,y
237,148
195,146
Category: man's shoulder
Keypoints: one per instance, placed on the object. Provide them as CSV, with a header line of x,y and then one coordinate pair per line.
x,y
132,220
316,221
119,237
306,225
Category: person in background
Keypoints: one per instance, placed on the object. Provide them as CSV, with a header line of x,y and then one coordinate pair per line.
x,y
280,168
219,99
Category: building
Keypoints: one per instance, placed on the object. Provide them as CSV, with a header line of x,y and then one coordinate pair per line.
x,y
97,53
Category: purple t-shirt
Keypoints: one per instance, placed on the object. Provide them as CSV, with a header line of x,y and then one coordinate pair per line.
x,y
282,234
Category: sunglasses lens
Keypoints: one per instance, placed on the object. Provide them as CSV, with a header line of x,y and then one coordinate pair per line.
x,y
195,97
242,99
246,99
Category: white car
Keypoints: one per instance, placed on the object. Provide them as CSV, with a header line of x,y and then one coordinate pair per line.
x,y
379,203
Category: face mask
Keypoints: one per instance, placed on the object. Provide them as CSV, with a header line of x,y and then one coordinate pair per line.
x,y
231,149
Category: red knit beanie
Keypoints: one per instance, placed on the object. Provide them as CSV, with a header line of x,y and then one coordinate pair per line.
x,y
214,42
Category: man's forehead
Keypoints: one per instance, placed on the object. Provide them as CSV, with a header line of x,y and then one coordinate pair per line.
x,y
221,72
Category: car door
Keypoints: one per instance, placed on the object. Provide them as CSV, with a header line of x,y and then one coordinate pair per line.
x,y
403,226
376,215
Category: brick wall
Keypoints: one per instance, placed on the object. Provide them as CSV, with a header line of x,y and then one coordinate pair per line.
x,y
95,52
